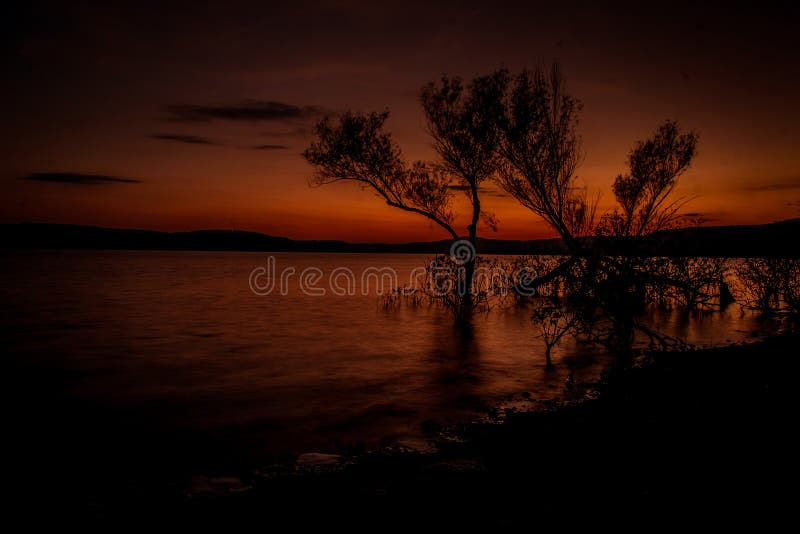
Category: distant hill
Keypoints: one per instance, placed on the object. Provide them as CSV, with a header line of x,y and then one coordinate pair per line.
x,y
775,239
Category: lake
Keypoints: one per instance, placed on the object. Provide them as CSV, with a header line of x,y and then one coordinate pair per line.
x,y
172,356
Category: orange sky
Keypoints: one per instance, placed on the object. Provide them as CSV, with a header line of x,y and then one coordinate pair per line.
x,y
89,91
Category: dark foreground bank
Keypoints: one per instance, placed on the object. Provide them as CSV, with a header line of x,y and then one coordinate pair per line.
x,y
709,432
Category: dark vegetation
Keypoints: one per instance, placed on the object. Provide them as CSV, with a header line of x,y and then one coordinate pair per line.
x,y
520,131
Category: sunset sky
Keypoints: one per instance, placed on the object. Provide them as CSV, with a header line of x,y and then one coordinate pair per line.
x,y
200,114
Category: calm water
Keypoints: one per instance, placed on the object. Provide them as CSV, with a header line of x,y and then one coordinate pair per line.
x,y
162,346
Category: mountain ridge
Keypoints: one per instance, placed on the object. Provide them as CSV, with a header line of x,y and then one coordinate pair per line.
x,y
771,239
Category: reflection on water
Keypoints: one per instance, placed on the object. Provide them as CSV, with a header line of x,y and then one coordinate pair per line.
x,y
176,343
706,328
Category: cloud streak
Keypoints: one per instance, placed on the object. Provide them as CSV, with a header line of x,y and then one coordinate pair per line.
x,y
80,179
270,147
248,110
181,138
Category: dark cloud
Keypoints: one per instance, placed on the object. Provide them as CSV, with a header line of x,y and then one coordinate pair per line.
x,y
249,110
82,179
190,139
270,147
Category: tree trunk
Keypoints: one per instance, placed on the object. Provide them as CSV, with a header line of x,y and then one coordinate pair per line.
x,y
472,229
548,362
466,289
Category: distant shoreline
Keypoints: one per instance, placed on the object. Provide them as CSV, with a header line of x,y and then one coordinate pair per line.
x,y
773,239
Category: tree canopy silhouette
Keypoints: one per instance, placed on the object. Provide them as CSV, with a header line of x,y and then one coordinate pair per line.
x,y
644,194
521,132
461,119
540,152
359,149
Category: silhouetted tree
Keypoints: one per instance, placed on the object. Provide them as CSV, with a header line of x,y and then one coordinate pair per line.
x,y
644,194
540,152
554,318
522,132
461,121
358,149
691,283
768,285
645,205
791,292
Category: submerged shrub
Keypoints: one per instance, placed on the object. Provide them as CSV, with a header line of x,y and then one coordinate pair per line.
x,y
693,282
768,285
554,318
